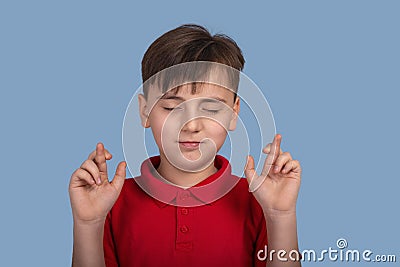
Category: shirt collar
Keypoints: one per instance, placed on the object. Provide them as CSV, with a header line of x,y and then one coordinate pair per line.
x,y
205,192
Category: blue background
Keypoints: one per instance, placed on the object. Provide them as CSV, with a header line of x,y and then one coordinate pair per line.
x,y
329,69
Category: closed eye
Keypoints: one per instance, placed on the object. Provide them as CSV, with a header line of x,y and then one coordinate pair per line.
x,y
171,109
212,111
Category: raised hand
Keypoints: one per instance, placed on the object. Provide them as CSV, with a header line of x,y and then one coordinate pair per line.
x,y
91,194
276,188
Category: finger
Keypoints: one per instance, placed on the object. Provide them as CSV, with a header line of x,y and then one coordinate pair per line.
x,y
106,152
272,155
81,177
281,161
100,160
119,177
275,146
267,149
252,177
249,170
292,166
92,169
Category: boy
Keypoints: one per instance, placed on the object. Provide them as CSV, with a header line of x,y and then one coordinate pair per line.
x,y
120,223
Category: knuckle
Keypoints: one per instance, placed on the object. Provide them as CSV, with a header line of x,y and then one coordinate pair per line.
x,y
280,160
86,163
286,154
79,173
75,173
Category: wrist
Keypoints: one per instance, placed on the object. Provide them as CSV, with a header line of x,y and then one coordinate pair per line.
x,y
89,223
273,215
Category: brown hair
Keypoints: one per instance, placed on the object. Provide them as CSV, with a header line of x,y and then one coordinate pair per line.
x,y
187,43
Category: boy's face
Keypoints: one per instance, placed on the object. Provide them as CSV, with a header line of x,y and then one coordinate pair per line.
x,y
189,129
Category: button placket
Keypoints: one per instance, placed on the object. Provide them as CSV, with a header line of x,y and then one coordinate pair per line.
x,y
184,236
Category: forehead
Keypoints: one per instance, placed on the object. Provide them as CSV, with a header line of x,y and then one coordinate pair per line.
x,y
195,90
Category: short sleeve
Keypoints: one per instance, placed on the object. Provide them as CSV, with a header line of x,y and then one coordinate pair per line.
x,y
110,256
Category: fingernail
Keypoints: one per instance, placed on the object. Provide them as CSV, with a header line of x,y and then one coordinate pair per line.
x,y
98,181
276,169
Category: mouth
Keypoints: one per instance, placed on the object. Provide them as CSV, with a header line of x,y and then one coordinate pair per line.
x,y
189,144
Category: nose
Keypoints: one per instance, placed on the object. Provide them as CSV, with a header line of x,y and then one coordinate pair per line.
x,y
192,122
192,125
190,119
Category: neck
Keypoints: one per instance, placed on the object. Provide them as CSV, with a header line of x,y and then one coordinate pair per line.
x,y
183,178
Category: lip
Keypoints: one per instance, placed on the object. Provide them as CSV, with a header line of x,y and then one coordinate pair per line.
x,y
189,144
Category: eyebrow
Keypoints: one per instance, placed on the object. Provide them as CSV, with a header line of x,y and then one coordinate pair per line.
x,y
174,97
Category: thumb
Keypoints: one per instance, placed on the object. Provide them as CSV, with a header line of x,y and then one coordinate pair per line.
x,y
249,171
119,177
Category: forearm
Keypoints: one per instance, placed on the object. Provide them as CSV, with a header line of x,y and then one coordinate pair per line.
x,y
88,245
282,239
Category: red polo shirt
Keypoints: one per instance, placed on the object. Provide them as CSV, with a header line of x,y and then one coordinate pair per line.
x,y
157,224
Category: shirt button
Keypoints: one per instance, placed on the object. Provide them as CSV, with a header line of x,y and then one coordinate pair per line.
x,y
184,229
184,211
185,196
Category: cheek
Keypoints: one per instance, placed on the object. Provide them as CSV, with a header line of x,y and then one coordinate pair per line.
x,y
164,127
156,124
217,132
224,119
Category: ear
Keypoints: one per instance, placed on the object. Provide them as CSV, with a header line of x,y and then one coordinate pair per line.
x,y
235,114
143,111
